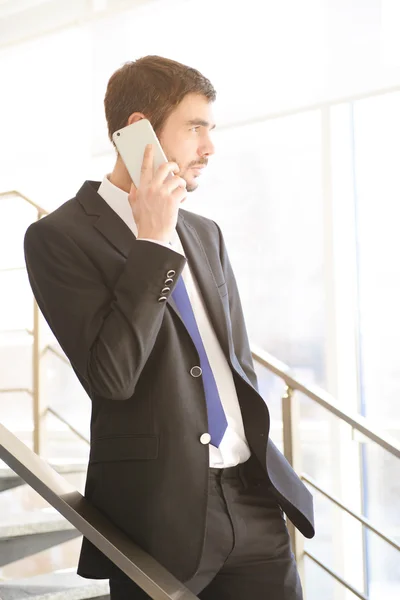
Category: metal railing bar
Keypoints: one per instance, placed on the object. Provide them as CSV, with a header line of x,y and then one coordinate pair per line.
x,y
152,577
65,422
58,354
336,576
15,390
325,400
24,330
357,516
11,269
40,210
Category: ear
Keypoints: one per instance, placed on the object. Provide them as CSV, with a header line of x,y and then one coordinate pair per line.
x,y
134,117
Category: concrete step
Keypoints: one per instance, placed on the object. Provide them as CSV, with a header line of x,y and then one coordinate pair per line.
x,y
54,586
29,533
9,479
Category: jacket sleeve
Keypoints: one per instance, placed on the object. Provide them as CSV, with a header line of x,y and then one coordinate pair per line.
x,y
107,334
239,332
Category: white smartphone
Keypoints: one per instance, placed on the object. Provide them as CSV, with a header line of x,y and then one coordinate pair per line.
x,y
131,142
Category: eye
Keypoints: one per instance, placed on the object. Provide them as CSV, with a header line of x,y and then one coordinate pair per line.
x,y
195,129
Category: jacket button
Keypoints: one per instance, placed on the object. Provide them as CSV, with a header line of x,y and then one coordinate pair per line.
x,y
171,273
162,298
205,438
168,281
165,290
196,371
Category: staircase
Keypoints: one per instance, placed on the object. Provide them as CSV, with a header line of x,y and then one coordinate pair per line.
x,y
9,480
31,533
55,586
24,535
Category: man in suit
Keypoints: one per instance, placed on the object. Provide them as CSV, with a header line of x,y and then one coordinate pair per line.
x,y
142,298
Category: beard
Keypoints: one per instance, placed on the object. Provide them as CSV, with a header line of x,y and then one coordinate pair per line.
x,y
192,185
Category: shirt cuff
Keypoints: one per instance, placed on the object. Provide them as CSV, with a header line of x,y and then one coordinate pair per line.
x,y
165,244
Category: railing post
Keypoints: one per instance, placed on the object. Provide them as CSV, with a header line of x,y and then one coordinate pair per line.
x,y
292,452
37,416
39,412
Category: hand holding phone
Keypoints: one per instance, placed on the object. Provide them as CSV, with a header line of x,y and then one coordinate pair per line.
x,y
155,203
156,192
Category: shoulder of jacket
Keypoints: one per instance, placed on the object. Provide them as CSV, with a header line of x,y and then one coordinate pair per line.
x,y
61,215
198,220
59,218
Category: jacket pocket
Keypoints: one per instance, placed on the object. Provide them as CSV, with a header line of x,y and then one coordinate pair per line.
x,y
124,447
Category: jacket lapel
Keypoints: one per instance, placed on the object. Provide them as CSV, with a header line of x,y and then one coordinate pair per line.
x,y
105,220
201,270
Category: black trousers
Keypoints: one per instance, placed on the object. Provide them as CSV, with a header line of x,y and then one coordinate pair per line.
x,y
247,548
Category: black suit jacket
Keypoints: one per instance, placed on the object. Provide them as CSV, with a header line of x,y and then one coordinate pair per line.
x,y
99,290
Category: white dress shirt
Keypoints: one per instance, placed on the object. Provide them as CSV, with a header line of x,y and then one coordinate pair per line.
x,y
233,448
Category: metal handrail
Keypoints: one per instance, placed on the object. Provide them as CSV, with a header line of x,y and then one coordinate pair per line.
x,y
65,422
139,566
333,574
291,448
12,269
40,210
62,357
327,401
13,331
38,410
16,390
355,515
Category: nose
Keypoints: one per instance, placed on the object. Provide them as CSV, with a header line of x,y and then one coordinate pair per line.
x,y
207,148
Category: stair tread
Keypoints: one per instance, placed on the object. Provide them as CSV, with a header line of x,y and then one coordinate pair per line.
x,y
53,586
28,523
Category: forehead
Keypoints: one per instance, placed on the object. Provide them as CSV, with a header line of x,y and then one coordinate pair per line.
x,y
195,106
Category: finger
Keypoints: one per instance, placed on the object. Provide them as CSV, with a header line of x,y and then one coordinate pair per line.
x,y
146,173
163,171
174,182
179,194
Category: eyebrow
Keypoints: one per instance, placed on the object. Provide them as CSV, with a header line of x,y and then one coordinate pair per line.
x,y
201,122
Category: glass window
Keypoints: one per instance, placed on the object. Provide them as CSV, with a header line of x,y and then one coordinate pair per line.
x,y
264,189
377,156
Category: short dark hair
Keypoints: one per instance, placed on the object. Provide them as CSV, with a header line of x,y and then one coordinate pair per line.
x,y
154,86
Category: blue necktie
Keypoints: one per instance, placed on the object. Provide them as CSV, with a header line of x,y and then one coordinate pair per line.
x,y
217,422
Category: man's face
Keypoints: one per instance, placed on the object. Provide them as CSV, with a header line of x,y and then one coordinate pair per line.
x,y
186,137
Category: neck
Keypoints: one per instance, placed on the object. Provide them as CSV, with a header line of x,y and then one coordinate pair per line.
x,y
120,176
